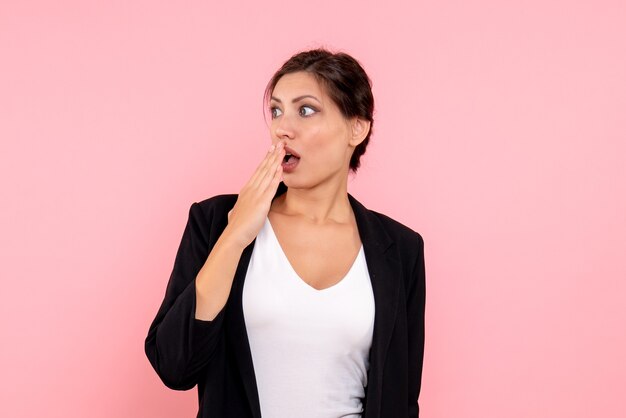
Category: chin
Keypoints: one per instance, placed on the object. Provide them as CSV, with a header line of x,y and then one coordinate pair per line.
x,y
294,183
290,183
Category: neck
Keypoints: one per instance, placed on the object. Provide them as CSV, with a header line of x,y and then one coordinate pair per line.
x,y
326,202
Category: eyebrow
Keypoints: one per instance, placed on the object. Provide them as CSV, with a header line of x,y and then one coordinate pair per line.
x,y
297,99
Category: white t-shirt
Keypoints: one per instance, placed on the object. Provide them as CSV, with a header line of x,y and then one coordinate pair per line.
x,y
310,348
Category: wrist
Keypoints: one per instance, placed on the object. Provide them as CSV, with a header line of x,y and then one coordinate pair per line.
x,y
230,241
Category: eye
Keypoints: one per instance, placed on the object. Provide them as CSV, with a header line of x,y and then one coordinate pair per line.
x,y
307,111
276,112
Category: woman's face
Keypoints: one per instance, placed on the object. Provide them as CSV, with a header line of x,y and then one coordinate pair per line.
x,y
312,126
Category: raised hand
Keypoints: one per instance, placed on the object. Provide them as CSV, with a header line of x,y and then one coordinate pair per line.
x,y
246,218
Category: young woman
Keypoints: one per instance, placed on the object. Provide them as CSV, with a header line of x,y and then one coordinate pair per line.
x,y
291,299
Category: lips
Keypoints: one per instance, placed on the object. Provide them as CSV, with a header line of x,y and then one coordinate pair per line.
x,y
291,160
292,152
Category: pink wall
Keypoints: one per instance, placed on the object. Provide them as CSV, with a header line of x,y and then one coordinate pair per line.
x,y
499,136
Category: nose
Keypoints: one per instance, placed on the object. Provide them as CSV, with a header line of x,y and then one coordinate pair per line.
x,y
283,128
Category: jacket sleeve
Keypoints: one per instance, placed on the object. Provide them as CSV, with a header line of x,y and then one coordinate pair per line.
x,y
178,345
416,299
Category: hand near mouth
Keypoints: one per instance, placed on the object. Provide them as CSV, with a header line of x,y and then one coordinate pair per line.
x,y
246,218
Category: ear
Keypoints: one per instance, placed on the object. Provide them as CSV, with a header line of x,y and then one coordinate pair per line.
x,y
360,129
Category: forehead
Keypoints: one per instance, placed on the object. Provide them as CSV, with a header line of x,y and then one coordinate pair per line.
x,y
298,84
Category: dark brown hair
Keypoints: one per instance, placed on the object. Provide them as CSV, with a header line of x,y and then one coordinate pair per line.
x,y
344,80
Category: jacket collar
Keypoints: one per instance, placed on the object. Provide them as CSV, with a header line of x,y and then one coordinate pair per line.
x,y
371,230
384,270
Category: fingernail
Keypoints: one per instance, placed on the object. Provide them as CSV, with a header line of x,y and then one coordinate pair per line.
x,y
272,148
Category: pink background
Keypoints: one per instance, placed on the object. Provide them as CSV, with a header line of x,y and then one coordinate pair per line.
x,y
499,136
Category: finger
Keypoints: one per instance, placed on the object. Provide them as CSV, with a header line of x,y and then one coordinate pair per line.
x,y
278,177
276,162
260,168
272,183
268,168
263,167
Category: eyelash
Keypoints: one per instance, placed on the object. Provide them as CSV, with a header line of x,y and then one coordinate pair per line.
x,y
310,107
273,108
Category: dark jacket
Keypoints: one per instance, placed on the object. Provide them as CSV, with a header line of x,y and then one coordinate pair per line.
x,y
215,355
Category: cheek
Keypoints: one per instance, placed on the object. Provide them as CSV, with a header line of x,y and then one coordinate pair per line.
x,y
331,151
326,143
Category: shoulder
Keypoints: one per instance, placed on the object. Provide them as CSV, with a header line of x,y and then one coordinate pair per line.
x,y
217,206
398,231
408,248
218,201
210,216
384,230
214,206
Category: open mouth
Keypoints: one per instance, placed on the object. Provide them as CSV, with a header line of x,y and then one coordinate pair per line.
x,y
290,162
290,158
